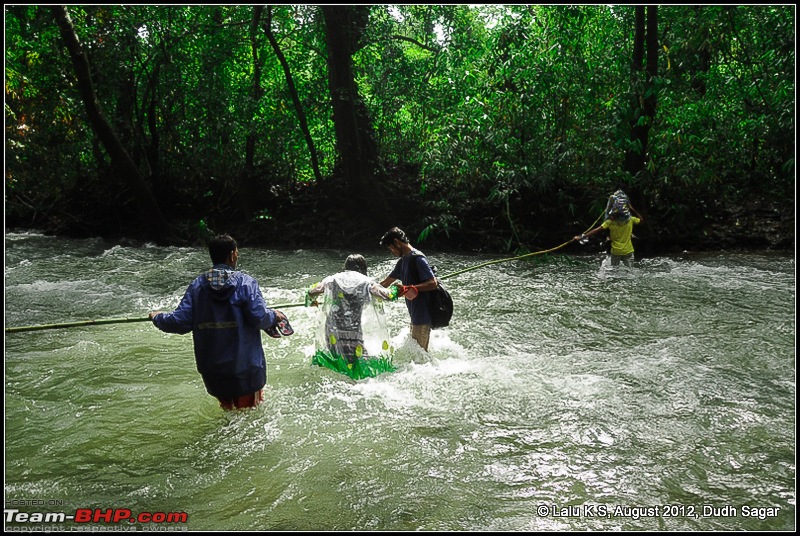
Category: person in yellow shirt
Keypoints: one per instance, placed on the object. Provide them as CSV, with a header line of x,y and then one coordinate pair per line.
x,y
620,224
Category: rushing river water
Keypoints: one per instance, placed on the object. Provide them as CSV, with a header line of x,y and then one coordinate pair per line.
x,y
563,396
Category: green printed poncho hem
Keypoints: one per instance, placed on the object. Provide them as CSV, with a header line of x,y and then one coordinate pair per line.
x,y
363,367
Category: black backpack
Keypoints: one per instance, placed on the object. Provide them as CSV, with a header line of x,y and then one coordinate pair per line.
x,y
440,303
441,306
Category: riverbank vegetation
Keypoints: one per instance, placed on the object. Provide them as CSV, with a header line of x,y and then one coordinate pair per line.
x,y
495,127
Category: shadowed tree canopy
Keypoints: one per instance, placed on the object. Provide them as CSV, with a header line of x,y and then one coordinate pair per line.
x,y
125,167
493,127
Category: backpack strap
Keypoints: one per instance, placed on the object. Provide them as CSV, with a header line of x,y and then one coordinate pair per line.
x,y
416,267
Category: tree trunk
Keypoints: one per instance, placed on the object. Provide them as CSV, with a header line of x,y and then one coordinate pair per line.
x,y
355,139
153,147
247,186
126,169
652,62
701,67
301,115
257,91
643,70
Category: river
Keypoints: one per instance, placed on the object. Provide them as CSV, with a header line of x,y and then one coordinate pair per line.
x,y
563,396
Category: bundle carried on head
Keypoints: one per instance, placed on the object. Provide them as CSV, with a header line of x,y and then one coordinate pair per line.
x,y
618,207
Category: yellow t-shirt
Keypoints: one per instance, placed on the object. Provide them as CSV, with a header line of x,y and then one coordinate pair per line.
x,y
621,235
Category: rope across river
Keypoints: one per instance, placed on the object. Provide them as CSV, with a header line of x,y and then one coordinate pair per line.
x,y
106,321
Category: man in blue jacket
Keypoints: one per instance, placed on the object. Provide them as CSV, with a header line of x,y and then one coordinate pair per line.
x,y
225,312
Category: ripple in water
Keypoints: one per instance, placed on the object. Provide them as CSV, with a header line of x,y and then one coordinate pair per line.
x,y
558,383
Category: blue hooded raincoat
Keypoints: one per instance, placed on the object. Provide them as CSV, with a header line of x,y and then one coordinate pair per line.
x,y
225,312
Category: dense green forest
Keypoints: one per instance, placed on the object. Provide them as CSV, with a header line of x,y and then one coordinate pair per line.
x,y
493,127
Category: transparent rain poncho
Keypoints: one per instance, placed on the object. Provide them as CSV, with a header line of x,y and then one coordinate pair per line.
x,y
352,337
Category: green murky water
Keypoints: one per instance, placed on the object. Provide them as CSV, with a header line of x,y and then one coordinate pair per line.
x,y
564,396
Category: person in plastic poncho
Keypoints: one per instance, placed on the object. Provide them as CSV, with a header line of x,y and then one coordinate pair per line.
x,y
619,223
354,324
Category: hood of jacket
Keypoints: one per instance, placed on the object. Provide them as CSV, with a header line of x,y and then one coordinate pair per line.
x,y
222,280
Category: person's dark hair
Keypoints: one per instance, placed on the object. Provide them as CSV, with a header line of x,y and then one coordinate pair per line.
x,y
391,235
357,263
220,248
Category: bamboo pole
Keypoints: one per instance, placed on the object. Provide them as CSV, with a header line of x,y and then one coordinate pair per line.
x,y
498,261
76,324
105,321
279,306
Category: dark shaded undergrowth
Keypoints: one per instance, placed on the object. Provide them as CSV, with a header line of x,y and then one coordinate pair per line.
x,y
325,215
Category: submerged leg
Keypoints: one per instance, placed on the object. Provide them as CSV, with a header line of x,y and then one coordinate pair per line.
x,y
422,334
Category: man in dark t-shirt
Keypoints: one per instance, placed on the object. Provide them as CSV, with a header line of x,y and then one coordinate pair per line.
x,y
413,270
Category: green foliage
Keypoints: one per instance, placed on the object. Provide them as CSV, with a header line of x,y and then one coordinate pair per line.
x,y
262,215
445,223
515,116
